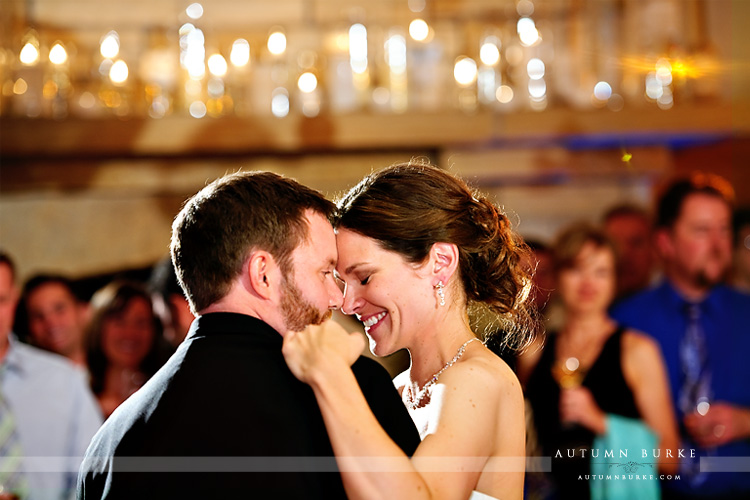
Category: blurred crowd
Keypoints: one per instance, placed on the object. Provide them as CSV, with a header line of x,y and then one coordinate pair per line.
x,y
646,319
69,357
611,294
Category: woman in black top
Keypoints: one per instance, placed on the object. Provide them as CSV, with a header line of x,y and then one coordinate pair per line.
x,y
592,367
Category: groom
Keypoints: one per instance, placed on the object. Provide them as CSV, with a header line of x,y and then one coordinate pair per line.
x,y
225,418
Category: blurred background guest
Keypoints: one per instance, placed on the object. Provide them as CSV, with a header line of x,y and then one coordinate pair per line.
x,y
543,274
543,294
593,370
47,412
170,302
629,227
702,328
741,262
124,341
55,316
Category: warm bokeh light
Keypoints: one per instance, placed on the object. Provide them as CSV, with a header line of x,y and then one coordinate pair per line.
x,y
20,86
311,109
307,82
602,91
217,65
215,87
664,71
358,48
396,54
416,5
666,99
504,94
280,103
525,8
535,69
537,88
240,55
110,45
419,30
87,100
198,109
465,71
357,60
654,88
527,31
194,11
381,95
118,73
57,54
489,52
193,51
277,43
29,54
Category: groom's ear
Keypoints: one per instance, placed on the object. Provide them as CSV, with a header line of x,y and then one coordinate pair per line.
x,y
263,274
443,260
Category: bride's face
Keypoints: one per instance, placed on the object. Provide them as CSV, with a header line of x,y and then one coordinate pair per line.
x,y
390,296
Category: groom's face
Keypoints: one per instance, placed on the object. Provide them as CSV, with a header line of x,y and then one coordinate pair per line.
x,y
310,291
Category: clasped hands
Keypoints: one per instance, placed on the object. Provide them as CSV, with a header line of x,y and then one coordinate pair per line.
x,y
320,348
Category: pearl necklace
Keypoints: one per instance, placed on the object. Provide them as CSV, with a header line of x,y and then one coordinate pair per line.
x,y
413,401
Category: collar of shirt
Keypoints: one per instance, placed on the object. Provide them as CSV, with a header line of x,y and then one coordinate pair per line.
x,y
226,323
13,362
710,303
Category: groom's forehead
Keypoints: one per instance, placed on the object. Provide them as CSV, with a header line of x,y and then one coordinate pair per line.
x,y
320,243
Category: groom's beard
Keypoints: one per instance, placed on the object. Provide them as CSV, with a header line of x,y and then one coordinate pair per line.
x,y
298,312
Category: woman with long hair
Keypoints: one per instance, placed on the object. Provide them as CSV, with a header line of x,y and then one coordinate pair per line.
x,y
124,343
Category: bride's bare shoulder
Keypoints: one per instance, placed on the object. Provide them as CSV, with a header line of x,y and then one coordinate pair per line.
x,y
487,370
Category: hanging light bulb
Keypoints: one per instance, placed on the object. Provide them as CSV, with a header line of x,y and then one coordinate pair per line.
x,y
57,54
358,48
110,45
465,71
307,82
118,73
419,30
240,54
29,54
277,43
217,65
489,52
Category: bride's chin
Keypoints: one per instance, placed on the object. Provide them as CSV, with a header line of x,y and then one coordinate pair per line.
x,y
379,350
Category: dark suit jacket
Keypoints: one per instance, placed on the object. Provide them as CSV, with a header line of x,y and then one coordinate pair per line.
x,y
225,418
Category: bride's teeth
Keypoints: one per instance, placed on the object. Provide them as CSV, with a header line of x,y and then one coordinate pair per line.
x,y
374,319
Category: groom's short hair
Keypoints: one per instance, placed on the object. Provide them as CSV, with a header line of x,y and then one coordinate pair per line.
x,y
216,230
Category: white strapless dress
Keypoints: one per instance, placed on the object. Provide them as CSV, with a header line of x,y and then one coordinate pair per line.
x,y
476,495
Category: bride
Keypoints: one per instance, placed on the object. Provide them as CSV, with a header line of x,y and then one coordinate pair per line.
x,y
417,248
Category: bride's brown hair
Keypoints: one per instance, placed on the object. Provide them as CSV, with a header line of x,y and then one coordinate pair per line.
x,y
410,206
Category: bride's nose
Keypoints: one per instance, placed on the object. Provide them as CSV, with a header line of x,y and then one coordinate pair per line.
x,y
352,302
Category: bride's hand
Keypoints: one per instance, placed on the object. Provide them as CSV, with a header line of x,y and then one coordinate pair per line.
x,y
320,347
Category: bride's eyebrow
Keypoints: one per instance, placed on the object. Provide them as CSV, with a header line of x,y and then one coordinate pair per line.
x,y
351,268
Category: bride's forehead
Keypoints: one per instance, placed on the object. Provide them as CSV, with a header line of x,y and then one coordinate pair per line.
x,y
347,238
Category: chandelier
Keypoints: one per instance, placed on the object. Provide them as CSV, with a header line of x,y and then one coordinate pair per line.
x,y
503,56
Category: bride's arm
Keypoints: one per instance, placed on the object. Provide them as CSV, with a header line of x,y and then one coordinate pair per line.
x,y
448,462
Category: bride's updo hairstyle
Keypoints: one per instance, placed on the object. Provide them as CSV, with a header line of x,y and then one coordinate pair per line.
x,y
408,207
